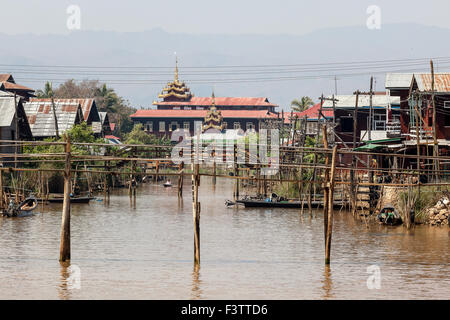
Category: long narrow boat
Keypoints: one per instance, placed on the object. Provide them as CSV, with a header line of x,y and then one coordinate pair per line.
x,y
253,203
85,199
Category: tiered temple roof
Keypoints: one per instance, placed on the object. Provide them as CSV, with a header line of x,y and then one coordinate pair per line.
x,y
213,118
175,90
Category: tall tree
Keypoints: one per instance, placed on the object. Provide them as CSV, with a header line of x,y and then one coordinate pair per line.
x,y
46,93
302,104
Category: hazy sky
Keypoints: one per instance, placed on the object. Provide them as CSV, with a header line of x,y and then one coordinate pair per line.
x,y
211,16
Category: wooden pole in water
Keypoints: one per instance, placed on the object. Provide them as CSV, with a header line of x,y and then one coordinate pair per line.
x,y
196,212
236,174
326,188
180,180
64,252
330,207
214,172
354,162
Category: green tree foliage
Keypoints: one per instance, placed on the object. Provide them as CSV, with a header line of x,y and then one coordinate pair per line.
x,y
81,133
302,104
46,93
138,136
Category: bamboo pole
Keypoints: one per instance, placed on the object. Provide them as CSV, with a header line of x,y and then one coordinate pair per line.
x,y
196,212
326,189
64,253
330,207
180,180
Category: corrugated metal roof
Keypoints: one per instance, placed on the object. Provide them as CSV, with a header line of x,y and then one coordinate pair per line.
x,y
7,109
222,101
348,101
85,104
441,82
160,113
398,80
41,120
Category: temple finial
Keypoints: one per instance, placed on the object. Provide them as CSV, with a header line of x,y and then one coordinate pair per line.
x,y
176,68
213,103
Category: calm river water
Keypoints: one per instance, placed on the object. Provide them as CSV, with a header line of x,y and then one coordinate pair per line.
x,y
146,252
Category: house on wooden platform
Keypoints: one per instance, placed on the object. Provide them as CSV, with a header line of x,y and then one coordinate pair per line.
x,y
8,84
383,123
13,124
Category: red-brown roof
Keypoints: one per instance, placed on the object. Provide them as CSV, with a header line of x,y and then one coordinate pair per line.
x,y
111,137
5,77
14,86
313,112
159,113
221,101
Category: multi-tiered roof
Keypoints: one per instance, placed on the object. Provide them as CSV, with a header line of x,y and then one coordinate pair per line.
x,y
175,90
213,118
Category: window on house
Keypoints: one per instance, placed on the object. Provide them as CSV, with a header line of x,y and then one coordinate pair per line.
x,y
187,108
225,124
346,124
237,125
250,126
187,125
149,126
173,126
162,126
447,104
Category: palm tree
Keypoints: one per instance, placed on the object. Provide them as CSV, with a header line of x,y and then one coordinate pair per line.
x,y
47,92
302,104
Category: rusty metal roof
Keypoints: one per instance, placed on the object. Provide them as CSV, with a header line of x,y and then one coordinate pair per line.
x,y
40,116
441,82
88,107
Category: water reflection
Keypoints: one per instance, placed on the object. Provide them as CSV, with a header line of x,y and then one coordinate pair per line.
x,y
327,283
63,290
196,283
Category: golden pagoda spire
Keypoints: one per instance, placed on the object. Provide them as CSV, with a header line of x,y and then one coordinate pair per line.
x,y
176,68
213,103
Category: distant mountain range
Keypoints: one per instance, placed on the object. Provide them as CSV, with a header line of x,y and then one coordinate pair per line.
x,y
156,48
